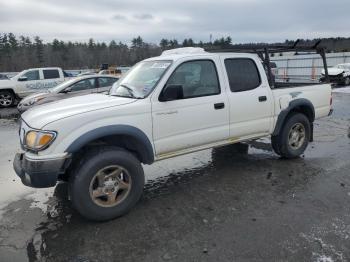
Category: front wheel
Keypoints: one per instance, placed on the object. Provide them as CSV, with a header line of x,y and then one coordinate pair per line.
x,y
293,138
7,98
106,183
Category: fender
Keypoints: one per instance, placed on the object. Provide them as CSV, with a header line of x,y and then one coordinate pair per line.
x,y
144,146
300,103
10,89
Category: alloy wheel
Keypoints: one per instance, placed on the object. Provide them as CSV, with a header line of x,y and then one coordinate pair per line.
x,y
110,186
296,136
6,100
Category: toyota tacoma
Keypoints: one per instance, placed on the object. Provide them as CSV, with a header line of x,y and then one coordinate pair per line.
x,y
182,101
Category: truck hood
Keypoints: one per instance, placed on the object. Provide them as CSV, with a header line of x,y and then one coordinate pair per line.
x,y
334,71
39,116
6,83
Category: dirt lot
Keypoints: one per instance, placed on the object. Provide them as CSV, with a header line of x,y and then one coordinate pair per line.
x,y
9,113
236,203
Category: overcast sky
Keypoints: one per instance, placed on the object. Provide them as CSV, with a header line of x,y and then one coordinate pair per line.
x,y
243,20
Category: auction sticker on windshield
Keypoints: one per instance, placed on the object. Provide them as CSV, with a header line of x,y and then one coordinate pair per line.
x,y
160,65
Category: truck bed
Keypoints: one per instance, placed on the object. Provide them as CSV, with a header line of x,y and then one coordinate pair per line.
x,y
318,94
293,84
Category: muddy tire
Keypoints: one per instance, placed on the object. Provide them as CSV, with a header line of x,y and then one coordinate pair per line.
x,y
106,183
293,138
274,144
7,98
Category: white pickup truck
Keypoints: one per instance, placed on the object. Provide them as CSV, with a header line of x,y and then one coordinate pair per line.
x,y
28,82
182,101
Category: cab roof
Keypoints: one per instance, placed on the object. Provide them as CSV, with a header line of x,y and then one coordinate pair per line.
x,y
178,53
43,68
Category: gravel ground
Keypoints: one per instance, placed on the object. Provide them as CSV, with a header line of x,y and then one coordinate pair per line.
x,y
9,113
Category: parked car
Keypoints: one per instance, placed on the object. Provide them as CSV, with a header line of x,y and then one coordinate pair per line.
x,y
115,72
3,77
182,101
339,74
28,82
86,73
77,86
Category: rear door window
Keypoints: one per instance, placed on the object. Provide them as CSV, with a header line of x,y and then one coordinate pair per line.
x,y
83,85
51,74
106,81
243,74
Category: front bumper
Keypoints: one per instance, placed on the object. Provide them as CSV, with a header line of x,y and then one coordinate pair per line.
x,y
338,79
39,173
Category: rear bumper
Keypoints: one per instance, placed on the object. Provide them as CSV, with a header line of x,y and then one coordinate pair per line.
x,y
39,173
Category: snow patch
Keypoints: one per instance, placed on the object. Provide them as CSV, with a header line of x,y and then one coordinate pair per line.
x,y
322,258
320,236
342,90
40,199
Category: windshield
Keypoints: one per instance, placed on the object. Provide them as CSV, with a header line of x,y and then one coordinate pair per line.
x,y
140,80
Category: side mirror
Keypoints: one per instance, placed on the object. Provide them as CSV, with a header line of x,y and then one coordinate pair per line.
x,y
22,78
67,90
171,92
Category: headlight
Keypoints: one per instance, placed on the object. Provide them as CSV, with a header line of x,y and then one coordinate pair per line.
x,y
33,101
38,140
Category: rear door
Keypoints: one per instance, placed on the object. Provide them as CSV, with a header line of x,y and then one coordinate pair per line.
x,y
199,118
51,78
251,100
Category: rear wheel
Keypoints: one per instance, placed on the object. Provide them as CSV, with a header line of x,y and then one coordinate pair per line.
x,y
7,98
293,138
106,183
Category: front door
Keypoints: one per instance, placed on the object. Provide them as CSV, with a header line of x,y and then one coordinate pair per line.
x,y
200,117
28,83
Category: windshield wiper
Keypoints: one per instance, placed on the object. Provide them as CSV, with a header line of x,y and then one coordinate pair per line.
x,y
130,91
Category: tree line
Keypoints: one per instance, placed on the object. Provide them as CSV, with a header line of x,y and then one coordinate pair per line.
x,y
18,53
21,52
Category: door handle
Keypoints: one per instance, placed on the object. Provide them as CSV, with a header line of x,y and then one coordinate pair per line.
x,y
219,106
262,98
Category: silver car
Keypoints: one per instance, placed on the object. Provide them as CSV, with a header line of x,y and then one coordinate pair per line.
x,y
74,87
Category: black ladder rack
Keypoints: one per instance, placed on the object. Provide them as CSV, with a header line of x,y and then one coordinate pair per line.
x,y
264,53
